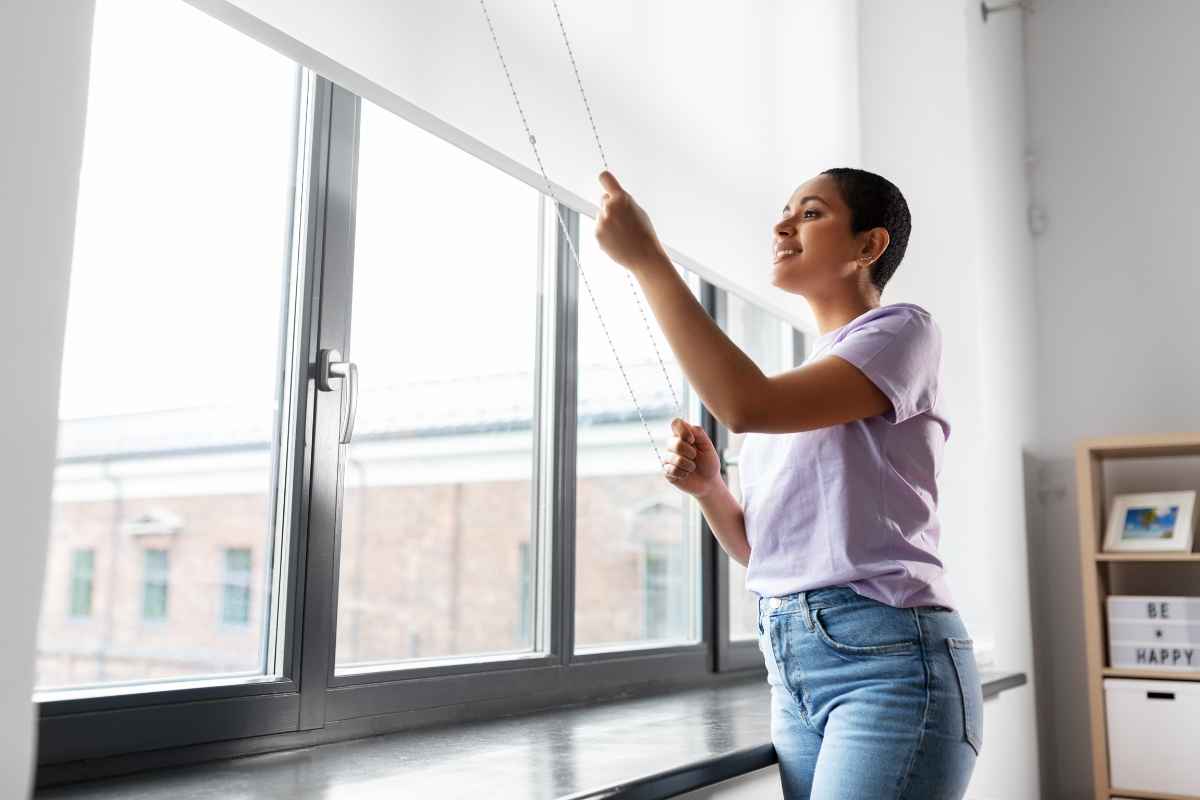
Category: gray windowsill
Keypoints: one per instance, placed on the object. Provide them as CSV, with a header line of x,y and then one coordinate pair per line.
x,y
646,747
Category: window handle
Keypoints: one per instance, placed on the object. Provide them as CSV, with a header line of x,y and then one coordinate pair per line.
x,y
330,366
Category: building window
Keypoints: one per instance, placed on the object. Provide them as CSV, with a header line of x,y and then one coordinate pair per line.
x,y
83,563
235,591
154,585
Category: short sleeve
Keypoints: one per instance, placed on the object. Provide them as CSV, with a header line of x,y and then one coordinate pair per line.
x,y
900,351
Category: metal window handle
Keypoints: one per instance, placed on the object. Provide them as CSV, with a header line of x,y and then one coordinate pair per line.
x,y
330,366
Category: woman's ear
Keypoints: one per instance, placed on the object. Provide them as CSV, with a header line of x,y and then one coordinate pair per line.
x,y
879,239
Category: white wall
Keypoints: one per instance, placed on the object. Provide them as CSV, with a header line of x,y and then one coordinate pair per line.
x,y
1114,121
44,52
943,116
695,115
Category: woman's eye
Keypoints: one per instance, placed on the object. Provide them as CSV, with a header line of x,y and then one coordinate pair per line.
x,y
808,210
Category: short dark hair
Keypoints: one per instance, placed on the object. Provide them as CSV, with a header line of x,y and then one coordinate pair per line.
x,y
875,202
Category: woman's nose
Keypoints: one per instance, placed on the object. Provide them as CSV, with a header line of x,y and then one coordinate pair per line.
x,y
783,229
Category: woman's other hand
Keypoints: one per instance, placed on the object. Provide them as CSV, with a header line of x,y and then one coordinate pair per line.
x,y
624,230
693,466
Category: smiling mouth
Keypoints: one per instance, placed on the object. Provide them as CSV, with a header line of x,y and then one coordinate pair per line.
x,y
780,256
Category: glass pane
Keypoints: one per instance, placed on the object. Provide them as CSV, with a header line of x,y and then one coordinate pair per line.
x,y
438,489
768,341
171,385
636,536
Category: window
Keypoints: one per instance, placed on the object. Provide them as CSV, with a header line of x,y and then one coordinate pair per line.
x,y
440,469
82,568
622,500
235,587
183,255
154,585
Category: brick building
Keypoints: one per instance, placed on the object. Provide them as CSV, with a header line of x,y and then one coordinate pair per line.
x,y
163,533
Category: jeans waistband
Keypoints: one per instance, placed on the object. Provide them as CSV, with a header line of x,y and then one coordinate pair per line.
x,y
823,597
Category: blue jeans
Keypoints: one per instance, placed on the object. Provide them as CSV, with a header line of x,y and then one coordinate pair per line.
x,y
870,701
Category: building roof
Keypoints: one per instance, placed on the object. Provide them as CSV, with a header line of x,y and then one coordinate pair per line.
x,y
444,407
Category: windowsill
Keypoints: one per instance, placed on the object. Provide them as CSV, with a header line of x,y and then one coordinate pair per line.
x,y
645,747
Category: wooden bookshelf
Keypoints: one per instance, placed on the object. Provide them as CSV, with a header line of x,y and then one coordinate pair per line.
x,y
1090,457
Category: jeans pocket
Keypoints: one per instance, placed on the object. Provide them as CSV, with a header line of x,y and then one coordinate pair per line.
x,y
867,629
962,653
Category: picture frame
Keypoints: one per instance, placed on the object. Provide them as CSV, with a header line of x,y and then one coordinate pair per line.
x,y
1151,522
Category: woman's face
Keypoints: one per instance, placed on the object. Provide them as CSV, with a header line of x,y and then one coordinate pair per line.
x,y
815,226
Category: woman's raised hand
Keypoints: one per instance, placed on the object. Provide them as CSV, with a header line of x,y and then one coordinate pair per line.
x,y
692,466
624,230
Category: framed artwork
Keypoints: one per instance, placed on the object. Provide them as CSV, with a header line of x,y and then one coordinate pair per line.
x,y
1154,521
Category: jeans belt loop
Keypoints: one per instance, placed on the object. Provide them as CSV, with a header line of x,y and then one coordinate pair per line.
x,y
806,611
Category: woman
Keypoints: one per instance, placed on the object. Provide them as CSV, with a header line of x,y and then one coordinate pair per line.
x,y
874,687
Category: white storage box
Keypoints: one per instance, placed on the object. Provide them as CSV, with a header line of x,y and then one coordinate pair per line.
x,y
1153,727
1160,632
1153,607
1154,655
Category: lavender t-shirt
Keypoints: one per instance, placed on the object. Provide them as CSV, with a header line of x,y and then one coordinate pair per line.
x,y
856,504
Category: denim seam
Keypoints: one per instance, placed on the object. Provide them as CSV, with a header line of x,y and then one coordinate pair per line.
x,y
793,612
892,648
796,695
908,770
954,645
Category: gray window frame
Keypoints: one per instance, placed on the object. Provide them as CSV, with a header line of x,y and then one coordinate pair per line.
x,y
303,701
111,732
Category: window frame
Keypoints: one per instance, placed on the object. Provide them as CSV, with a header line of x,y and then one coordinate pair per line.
x,y
404,692
119,731
101,733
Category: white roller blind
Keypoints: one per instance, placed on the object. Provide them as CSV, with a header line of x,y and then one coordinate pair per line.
x,y
709,113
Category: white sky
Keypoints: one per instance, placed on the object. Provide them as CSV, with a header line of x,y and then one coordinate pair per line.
x,y
182,230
